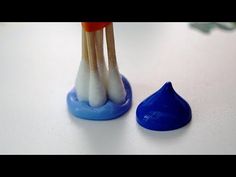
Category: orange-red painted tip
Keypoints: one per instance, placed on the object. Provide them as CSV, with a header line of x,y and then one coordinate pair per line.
x,y
94,26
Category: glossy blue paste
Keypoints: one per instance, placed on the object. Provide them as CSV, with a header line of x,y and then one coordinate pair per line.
x,y
164,110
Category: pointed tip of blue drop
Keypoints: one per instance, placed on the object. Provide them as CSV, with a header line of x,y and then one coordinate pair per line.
x,y
168,86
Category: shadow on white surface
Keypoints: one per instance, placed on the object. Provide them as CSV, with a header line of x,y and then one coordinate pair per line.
x,y
103,137
163,136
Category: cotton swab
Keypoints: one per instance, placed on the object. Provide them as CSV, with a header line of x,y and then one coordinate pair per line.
x,y
83,75
115,88
100,93
97,92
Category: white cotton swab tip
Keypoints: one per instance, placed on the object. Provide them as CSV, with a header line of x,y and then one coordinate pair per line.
x,y
82,81
116,90
97,92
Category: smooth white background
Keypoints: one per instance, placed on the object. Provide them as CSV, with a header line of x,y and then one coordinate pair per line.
x,y
39,63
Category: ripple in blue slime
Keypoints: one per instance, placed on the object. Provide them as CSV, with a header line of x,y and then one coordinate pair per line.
x,y
164,110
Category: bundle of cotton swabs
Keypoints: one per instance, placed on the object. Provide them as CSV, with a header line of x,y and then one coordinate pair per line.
x,y
95,83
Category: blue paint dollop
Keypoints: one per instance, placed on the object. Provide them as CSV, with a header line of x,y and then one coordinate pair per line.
x,y
164,110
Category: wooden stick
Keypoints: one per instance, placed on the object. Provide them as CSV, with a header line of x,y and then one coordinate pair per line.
x,y
99,46
111,46
102,69
92,51
84,47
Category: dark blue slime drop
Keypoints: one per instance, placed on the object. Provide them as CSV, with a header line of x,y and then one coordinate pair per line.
x,y
164,110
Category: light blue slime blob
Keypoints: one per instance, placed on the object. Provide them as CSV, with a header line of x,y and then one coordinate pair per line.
x,y
110,110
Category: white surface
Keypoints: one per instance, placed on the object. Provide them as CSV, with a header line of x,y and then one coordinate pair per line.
x,y
39,63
